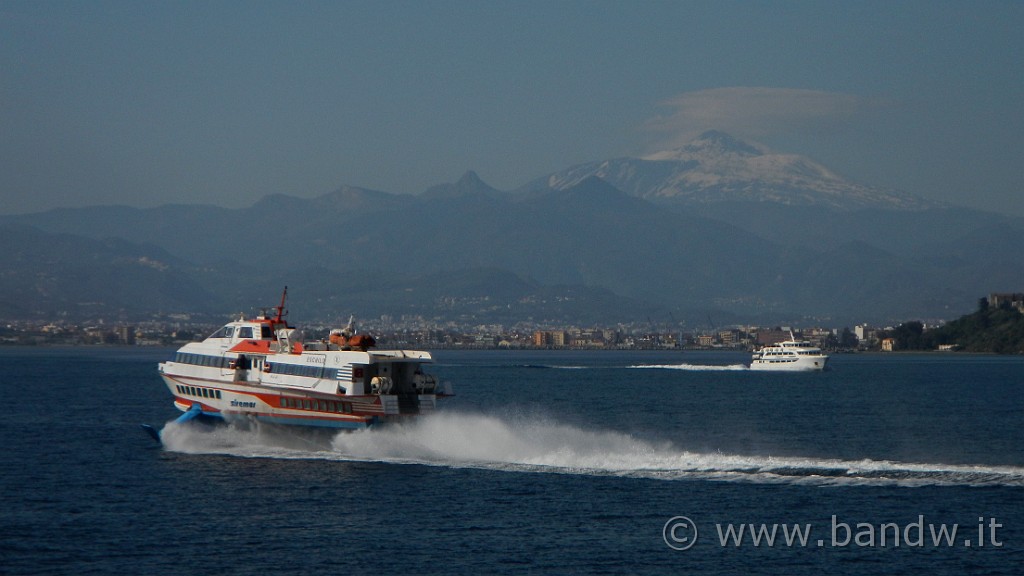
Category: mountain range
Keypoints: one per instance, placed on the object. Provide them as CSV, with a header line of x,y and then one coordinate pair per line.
x,y
720,227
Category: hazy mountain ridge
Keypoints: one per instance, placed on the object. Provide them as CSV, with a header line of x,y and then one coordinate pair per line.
x,y
586,249
42,274
48,276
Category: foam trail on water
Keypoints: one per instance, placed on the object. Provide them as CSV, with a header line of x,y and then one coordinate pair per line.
x,y
483,441
254,441
695,367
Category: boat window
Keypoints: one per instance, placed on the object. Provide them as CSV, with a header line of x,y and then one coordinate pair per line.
x,y
266,332
224,332
245,332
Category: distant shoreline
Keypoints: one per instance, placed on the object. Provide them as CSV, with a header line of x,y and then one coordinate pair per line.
x,y
680,351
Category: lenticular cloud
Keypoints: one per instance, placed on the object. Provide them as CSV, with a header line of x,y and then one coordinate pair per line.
x,y
753,112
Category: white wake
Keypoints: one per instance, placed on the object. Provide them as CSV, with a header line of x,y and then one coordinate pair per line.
x,y
696,367
532,445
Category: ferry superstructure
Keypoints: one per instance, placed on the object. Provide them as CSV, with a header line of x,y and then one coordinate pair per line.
x,y
259,369
790,355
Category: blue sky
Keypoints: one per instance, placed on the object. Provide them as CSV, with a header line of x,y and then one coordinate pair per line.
x,y
149,103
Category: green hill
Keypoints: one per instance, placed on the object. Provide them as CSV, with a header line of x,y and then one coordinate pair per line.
x,y
998,330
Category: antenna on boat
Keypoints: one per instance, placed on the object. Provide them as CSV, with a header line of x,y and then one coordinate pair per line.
x,y
280,307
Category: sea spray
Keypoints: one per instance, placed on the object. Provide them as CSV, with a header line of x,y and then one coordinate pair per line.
x,y
531,444
454,438
251,439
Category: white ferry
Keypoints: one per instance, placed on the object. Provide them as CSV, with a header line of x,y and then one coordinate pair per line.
x,y
259,369
789,355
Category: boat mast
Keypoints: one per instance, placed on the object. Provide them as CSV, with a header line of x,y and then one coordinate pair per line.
x,y
280,307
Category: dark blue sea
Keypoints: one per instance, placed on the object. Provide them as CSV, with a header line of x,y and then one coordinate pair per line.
x,y
545,463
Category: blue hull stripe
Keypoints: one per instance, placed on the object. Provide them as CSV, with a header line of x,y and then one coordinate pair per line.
x,y
286,421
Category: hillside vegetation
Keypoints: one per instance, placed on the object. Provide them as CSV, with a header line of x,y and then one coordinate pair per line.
x,y
997,330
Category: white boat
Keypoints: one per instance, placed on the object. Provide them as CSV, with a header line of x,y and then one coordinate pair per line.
x,y
259,369
790,355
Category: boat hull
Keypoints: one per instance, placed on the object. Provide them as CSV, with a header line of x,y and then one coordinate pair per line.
x,y
232,402
800,364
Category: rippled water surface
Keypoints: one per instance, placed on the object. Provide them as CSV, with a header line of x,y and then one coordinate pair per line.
x,y
545,462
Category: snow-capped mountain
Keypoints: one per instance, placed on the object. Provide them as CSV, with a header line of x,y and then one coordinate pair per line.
x,y
716,167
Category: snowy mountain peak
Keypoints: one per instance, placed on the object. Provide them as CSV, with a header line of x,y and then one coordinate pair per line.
x,y
717,167
712,142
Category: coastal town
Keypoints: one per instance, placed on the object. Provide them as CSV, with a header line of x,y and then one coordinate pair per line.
x,y
414,333
418,332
